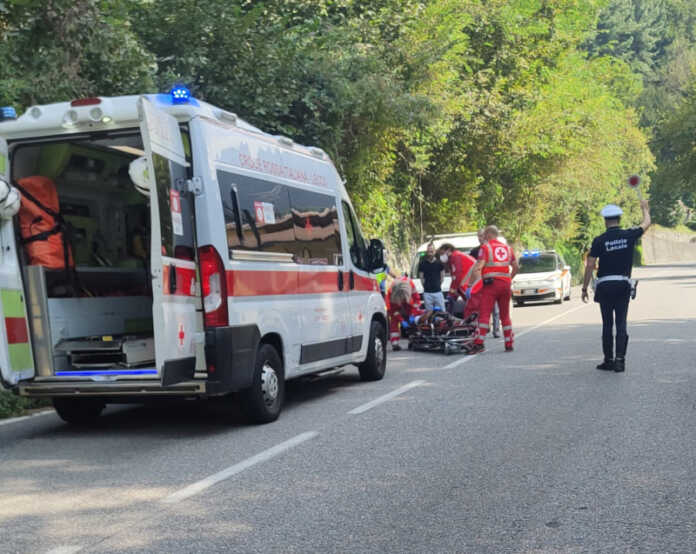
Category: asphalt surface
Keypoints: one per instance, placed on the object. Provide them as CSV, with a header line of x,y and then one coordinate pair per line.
x,y
530,451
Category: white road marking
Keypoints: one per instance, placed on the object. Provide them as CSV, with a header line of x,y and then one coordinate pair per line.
x,y
65,550
363,408
259,458
22,418
461,361
554,318
517,336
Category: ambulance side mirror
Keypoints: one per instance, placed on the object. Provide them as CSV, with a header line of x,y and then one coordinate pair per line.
x,y
375,255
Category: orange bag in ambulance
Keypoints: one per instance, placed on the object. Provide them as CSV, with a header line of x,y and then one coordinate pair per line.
x,y
40,223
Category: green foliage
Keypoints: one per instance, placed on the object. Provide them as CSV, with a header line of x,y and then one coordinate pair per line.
x,y
12,405
441,115
55,50
638,255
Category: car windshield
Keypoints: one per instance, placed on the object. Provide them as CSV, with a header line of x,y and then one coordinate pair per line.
x,y
538,264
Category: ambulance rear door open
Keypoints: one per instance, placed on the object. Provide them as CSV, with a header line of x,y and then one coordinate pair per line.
x,y
16,358
177,308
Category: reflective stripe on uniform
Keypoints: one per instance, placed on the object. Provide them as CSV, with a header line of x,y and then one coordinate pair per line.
x,y
507,327
484,326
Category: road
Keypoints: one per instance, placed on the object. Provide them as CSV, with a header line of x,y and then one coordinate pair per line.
x,y
530,451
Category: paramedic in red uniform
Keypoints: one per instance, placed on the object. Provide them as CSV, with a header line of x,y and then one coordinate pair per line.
x,y
494,263
461,268
403,306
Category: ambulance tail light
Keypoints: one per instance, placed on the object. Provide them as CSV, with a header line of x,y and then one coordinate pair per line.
x,y
214,287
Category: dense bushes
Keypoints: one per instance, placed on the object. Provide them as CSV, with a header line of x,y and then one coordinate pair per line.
x,y
14,405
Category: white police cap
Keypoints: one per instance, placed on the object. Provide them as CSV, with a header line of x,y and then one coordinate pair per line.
x,y
610,211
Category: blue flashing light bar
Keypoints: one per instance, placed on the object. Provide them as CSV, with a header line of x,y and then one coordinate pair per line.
x,y
7,112
180,94
531,254
106,372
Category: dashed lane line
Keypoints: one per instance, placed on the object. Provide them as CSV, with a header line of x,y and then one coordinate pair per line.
x,y
554,318
384,398
65,550
233,470
464,360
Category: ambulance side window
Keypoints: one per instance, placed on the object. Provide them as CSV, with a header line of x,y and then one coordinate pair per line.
x,y
176,217
257,214
317,233
356,242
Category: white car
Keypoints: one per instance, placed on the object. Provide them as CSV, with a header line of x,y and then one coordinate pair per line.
x,y
542,276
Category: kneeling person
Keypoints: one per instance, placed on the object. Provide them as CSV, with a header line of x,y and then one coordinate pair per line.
x,y
403,307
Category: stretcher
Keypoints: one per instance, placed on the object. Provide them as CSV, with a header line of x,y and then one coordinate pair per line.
x,y
442,332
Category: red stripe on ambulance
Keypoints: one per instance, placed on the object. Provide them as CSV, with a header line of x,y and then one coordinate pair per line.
x,y
185,281
267,283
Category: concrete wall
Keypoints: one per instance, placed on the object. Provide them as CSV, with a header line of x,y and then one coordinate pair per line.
x,y
662,246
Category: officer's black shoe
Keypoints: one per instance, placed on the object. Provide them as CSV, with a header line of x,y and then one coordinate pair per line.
x,y
607,365
620,365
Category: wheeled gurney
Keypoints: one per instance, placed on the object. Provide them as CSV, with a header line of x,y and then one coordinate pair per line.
x,y
442,332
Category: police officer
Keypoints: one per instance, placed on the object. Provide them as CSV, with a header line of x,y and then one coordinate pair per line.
x,y
614,250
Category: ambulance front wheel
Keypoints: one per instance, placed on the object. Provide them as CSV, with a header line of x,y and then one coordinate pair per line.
x,y
374,366
263,401
78,411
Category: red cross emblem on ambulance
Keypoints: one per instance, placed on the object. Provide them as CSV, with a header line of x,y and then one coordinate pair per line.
x,y
181,335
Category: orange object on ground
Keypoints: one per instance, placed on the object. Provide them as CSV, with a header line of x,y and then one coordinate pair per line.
x,y
40,223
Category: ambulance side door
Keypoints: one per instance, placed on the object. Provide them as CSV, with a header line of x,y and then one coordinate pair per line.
x,y
322,281
360,283
177,314
16,357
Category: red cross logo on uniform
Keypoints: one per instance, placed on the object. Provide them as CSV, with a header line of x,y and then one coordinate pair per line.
x,y
181,335
500,253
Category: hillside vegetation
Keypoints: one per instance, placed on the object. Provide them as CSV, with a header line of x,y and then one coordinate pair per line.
x,y
442,115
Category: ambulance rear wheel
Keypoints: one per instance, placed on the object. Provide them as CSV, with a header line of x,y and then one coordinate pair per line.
x,y
374,366
263,401
78,411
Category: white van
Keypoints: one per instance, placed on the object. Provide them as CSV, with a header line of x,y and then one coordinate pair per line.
x,y
463,242
237,262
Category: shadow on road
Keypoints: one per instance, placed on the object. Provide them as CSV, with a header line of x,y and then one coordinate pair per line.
x,y
179,418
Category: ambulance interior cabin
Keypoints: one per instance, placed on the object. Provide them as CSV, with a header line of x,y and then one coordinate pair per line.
x,y
97,312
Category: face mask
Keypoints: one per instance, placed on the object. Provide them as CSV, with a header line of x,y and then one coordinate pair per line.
x,y
444,258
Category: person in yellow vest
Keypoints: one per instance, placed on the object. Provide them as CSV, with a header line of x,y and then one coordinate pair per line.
x,y
382,279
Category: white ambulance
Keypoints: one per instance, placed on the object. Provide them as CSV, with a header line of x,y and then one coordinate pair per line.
x,y
208,258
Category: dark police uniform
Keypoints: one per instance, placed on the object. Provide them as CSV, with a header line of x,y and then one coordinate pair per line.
x,y
614,249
